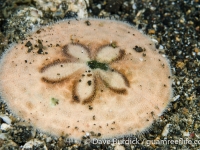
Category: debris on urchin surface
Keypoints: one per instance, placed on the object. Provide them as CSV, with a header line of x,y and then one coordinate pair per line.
x,y
82,76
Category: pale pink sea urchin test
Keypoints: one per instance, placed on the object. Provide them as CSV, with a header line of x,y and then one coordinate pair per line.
x,y
80,76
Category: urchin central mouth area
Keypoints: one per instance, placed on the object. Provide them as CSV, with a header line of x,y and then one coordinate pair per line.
x,y
93,64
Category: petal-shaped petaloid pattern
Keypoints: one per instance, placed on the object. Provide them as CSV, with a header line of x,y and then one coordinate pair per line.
x,y
60,71
77,51
114,80
108,54
84,89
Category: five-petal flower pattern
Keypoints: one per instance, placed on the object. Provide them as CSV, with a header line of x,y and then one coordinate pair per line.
x,y
89,70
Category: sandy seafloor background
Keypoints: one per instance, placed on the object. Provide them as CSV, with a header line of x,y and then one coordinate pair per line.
x,y
174,24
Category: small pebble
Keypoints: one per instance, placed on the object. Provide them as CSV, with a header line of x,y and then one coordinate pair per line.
x,y
5,126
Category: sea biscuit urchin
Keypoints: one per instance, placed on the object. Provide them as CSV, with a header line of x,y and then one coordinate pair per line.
x,y
79,76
